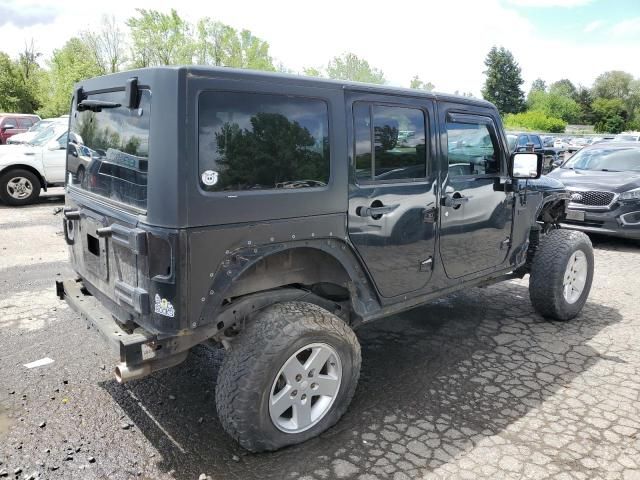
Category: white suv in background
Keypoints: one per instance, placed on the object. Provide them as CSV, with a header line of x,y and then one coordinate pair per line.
x,y
27,168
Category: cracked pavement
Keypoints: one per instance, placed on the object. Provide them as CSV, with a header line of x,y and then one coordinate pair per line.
x,y
476,385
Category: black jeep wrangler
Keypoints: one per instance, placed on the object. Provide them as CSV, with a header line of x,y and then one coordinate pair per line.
x,y
275,214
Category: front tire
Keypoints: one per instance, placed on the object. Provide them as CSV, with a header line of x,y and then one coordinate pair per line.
x,y
19,187
289,376
561,274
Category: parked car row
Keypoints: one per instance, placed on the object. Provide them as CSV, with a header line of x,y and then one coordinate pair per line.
x,y
36,128
15,123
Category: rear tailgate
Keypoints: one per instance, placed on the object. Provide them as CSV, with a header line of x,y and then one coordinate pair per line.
x,y
109,254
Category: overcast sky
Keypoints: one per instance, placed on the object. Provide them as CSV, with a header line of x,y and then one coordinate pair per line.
x,y
444,41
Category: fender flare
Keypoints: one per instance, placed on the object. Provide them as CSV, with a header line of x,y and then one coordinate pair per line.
x,y
237,262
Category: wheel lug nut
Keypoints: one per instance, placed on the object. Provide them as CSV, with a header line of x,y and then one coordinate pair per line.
x,y
298,377
303,397
314,386
294,393
311,372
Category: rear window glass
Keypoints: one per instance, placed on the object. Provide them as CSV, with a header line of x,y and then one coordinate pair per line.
x,y
108,151
252,141
390,143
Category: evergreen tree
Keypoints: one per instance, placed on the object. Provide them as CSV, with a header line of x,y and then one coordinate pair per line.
x,y
502,86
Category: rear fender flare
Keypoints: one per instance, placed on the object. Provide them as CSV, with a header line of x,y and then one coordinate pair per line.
x,y
237,262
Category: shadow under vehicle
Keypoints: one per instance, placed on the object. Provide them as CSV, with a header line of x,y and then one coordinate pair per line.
x,y
275,214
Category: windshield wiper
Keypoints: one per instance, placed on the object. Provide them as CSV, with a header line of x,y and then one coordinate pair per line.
x,y
96,105
607,170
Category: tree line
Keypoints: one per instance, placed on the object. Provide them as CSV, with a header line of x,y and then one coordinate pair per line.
x,y
611,104
152,38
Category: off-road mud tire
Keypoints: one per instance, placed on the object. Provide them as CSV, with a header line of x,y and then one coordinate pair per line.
x,y
257,355
548,270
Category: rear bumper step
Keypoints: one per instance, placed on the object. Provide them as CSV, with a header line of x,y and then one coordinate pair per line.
x,y
140,352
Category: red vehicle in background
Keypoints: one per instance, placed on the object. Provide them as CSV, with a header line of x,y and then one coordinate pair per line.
x,y
13,123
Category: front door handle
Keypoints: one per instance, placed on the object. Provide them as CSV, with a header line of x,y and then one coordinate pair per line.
x,y
375,211
454,200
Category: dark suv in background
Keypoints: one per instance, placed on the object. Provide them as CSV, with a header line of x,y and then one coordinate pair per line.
x,y
531,142
604,183
14,123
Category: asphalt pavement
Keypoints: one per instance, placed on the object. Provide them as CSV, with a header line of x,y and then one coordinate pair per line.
x,y
476,385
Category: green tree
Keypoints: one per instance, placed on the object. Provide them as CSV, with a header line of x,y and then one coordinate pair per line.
x,y
610,115
613,84
349,66
106,45
502,86
216,43
538,85
534,120
69,64
254,53
15,94
556,105
312,72
160,39
221,45
584,100
418,84
563,87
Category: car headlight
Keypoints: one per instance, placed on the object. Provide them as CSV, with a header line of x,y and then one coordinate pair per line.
x,y
630,195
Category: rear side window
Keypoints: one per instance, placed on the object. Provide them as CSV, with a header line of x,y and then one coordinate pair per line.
x,y
390,143
24,123
253,141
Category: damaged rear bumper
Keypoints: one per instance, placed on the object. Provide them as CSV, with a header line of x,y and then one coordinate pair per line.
x,y
140,352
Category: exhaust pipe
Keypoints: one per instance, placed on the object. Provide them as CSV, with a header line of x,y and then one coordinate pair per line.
x,y
125,373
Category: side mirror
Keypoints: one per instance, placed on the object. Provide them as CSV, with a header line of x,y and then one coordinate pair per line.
x,y
525,165
54,145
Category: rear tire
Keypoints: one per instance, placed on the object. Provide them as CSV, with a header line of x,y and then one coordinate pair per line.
x,y
561,274
19,187
266,371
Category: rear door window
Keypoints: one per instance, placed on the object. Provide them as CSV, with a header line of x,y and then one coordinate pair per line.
x,y
390,143
256,141
108,152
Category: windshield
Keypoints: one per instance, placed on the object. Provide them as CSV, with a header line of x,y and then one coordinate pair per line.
x,y
612,159
108,150
45,136
41,125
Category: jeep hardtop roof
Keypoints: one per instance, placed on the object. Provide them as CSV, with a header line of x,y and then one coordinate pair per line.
x,y
208,71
